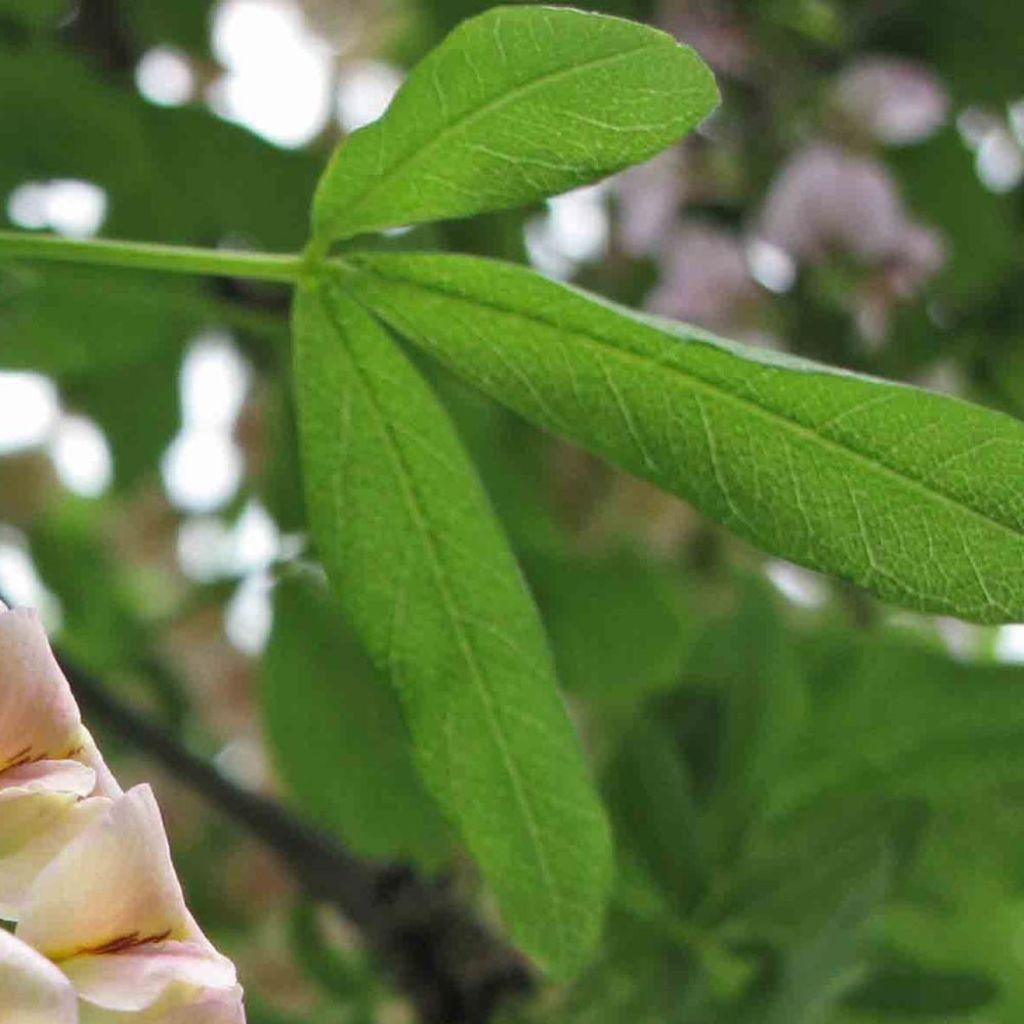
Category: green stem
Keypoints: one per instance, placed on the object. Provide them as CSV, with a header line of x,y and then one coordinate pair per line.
x,y
147,256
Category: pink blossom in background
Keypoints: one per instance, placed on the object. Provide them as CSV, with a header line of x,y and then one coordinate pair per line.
x,y
705,278
920,254
895,100
649,198
826,200
713,28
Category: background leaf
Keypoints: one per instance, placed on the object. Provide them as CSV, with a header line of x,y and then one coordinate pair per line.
x,y
503,112
651,795
764,710
411,546
336,732
116,352
176,175
619,624
823,964
910,992
69,320
925,725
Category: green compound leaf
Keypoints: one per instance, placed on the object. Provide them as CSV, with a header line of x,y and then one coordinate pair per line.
x,y
427,578
516,104
915,496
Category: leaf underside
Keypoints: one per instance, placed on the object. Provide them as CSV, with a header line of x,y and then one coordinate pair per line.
x,y
427,579
515,105
915,496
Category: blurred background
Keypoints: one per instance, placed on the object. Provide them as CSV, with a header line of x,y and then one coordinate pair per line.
x,y
818,800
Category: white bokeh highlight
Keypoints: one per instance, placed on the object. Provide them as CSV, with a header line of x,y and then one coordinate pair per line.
x,y
73,208
214,382
164,77
771,266
209,549
366,89
574,230
20,583
203,466
202,547
202,470
29,409
1000,161
81,456
278,74
249,614
1009,645
800,586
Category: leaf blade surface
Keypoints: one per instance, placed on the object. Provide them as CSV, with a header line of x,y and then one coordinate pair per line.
x,y
427,579
915,496
503,113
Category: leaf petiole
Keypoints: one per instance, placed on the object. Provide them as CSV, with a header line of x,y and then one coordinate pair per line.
x,y
149,256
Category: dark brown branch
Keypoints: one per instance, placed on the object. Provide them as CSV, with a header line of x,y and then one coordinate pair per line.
x,y
451,968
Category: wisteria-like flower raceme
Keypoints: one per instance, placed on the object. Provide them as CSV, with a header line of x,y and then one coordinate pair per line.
x,y
101,931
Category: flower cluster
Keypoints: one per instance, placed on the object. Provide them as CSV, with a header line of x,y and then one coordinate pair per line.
x,y
102,934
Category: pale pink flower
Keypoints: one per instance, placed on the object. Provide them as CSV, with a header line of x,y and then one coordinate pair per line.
x,y
718,34
103,935
649,198
896,100
705,278
920,254
826,200
53,782
32,990
220,1006
109,912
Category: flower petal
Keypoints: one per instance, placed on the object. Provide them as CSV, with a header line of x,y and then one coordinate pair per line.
x,y
113,885
38,714
211,1007
71,777
179,1005
34,828
33,990
136,978
89,754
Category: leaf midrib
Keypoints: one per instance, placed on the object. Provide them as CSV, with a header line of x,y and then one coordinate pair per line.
x,y
469,655
469,117
723,394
